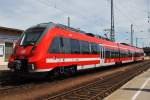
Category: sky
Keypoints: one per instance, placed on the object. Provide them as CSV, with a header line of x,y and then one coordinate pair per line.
x,y
92,16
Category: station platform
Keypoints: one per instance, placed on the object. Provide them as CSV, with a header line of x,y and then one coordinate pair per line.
x,y
4,68
136,89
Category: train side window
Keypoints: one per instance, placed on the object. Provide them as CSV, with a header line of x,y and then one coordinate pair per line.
x,y
95,49
65,45
112,53
98,48
120,54
55,45
107,53
84,47
128,53
75,46
117,52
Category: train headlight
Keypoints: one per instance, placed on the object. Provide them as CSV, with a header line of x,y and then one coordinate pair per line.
x,y
31,67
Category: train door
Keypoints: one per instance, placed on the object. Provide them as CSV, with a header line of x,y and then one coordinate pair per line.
x,y
102,55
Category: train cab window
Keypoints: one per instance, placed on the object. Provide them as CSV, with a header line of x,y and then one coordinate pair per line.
x,y
75,46
84,47
32,35
55,46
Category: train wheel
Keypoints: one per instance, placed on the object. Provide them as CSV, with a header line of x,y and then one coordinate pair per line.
x,y
118,64
69,70
73,70
55,73
62,71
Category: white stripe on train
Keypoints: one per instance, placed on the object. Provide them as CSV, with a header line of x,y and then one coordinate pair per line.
x,y
53,60
94,66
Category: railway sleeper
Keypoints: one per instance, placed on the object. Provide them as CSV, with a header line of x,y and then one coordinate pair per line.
x,y
76,96
92,90
85,93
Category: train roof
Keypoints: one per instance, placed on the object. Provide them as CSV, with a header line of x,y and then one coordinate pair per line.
x,y
80,31
106,40
72,29
130,45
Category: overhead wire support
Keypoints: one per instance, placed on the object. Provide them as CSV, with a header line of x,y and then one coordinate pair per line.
x,y
148,10
68,21
112,32
130,18
132,34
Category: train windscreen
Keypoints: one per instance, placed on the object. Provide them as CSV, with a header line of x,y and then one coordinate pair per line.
x,y
31,36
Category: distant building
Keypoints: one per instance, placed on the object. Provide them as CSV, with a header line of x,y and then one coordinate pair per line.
x,y
8,37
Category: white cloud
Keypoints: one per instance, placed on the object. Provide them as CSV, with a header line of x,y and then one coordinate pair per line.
x,y
89,15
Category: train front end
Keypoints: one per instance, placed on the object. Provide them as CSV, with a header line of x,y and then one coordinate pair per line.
x,y
27,51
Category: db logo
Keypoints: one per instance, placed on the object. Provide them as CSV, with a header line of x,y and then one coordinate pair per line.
x,y
23,51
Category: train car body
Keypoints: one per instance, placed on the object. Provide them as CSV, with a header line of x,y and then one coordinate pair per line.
x,y
50,46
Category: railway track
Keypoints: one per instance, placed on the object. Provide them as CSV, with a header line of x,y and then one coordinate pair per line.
x,y
101,88
9,82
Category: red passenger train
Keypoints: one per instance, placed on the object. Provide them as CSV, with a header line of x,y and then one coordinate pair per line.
x,y
53,47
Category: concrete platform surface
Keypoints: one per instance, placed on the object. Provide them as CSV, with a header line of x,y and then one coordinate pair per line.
x,y
136,89
3,67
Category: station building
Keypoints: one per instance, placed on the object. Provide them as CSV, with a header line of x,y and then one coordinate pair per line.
x,y
8,37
